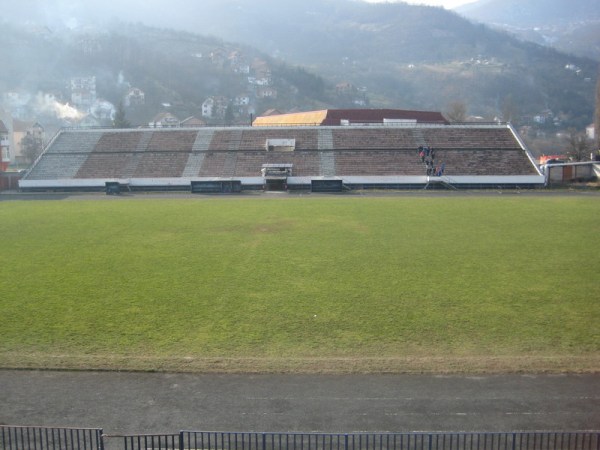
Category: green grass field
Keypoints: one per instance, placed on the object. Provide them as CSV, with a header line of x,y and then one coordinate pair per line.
x,y
331,284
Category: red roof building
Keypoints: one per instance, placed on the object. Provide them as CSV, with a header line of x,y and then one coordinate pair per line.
x,y
338,117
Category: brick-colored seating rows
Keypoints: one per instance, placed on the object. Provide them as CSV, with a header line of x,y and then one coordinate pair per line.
x,y
225,140
118,142
374,138
378,162
104,165
238,152
469,138
256,138
56,166
161,165
67,142
172,141
213,164
485,162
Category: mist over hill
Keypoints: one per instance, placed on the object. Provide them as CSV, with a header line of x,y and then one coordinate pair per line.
x,y
337,53
571,26
531,12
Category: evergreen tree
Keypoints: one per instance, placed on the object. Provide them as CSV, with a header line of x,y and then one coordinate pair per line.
x,y
229,116
120,121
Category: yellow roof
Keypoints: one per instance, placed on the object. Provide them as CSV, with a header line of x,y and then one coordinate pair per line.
x,y
301,118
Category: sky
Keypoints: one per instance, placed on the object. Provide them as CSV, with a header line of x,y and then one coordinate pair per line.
x,y
448,4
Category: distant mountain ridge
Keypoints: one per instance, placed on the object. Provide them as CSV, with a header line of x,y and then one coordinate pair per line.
x,y
531,12
569,25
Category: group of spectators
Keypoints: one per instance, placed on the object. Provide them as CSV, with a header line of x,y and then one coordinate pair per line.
x,y
427,156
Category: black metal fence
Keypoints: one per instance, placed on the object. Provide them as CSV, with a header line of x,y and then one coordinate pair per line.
x,y
43,438
391,441
40,438
152,441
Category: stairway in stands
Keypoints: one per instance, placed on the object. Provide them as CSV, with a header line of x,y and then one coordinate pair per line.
x,y
199,149
325,142
418,138
136,156
231,158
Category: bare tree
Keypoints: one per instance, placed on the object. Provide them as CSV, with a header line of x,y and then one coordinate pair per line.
x,y
578,145
457,111
31,147
510,109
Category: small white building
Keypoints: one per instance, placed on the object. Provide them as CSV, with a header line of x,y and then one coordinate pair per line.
x,y
134,97
590,131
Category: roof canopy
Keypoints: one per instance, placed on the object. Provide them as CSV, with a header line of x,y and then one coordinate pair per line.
x,y
337,117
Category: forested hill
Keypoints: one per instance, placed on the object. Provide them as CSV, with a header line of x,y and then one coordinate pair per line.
x,y
383,55
176,70
405,55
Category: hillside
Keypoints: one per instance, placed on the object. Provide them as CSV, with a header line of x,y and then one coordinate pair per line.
x,y
531,12
405,56
177,71
415,57
375,55
571,26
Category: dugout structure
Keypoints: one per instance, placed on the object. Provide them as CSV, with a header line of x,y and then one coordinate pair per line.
x,y
383,156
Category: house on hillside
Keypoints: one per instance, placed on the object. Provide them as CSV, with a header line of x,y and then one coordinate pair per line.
x,y
20,130
261,71
345,87
164,120
266,92
351,94
218,57
241,100
134,97
214,107
192,122
242,105
238,63
83,91
5,156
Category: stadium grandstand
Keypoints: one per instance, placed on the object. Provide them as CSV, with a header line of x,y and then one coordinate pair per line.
x,y
393,155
